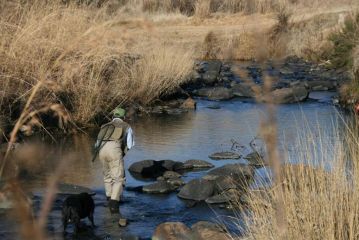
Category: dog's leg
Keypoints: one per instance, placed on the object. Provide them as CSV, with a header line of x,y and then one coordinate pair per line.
x,y
90,217
77,227
64,219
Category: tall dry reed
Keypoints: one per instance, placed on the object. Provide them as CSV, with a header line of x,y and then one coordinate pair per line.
x,y
320,191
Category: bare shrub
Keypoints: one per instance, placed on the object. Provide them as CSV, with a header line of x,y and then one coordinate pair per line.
x,y
278,35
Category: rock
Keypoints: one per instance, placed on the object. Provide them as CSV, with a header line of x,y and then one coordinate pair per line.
x,y
255,159
171,165
243,90
139,167
172,231
210,76
197,189
138,189
224,155
208,231
161,178
175,111
288,95
241,174
320,85
231,195
171,175
195,163
189,104
177,182
216,93
154,169
65,188
224,183
159,187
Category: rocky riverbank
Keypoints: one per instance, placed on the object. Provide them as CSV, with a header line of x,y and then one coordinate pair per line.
x,y
292,81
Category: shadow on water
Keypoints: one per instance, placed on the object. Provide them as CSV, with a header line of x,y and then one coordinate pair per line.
x,y
193,135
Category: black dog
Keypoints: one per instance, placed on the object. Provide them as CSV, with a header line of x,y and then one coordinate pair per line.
x,y
77,207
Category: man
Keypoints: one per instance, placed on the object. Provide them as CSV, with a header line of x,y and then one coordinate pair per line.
x,y
113,141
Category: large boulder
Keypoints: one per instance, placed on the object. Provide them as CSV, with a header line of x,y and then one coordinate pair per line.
x,y
209,231
197,190
288,95
172,231
159,187
224,155
241,174
224,183
195,163
216,93
213,68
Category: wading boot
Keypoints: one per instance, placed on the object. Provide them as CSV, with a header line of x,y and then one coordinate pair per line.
x,y
114,207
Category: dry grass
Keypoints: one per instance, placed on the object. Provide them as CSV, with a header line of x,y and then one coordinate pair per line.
x,y
320,194
79,54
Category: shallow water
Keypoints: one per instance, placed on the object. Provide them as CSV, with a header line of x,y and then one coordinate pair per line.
x,y
193,135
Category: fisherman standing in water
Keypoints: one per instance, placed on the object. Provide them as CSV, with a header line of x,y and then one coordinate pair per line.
x,y
113,141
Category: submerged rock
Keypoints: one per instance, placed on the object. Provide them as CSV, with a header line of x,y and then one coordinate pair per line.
x,y
172,231
197,189
159,187
214,106
224,155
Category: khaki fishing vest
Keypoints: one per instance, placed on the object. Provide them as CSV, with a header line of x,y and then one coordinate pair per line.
x,y
113,131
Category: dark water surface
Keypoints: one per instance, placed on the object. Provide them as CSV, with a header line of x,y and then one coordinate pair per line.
x,y
193,135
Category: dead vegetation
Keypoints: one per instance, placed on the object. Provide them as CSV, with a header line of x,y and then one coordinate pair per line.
x,y
93,55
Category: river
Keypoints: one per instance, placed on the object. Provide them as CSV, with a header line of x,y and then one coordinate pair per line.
x,y
193,135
